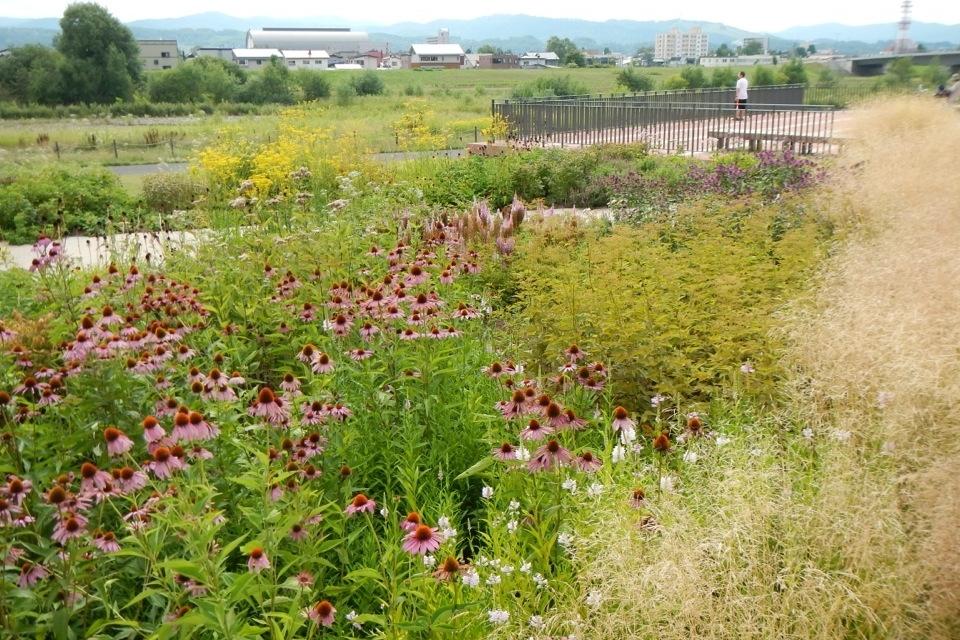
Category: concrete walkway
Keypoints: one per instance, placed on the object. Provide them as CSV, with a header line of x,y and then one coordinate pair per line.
x,y
101,250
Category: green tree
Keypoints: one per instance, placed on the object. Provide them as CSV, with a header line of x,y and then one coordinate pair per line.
x,y
101,56
368,83
489,48
313,84
752,48
695,77
271,85
182,84
566,50
793,72
633,80
676,82
800,52
901,71
762,77
222,79
811,49
723,77
30,74
723,51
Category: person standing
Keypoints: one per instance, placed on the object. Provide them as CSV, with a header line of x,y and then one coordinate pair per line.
x,y
741,99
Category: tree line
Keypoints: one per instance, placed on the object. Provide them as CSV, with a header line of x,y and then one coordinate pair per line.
x,y
96,60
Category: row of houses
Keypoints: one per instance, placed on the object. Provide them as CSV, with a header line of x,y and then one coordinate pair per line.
x,y
164,54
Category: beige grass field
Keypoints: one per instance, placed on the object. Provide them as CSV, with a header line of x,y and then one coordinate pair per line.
x,y
839,517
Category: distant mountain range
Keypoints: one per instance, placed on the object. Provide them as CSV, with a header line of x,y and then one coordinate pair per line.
x,y
514,32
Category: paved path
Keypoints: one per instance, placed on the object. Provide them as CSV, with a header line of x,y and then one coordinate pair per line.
x,y
144,169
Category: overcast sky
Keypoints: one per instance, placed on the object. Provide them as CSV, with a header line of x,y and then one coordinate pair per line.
x,y
752,15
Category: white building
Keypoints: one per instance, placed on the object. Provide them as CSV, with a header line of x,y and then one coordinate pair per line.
x,y
157,55
674,44
436,56
339,43
309,59
539,60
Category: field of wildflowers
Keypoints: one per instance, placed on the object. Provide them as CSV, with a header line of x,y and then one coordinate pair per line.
x,y
354,413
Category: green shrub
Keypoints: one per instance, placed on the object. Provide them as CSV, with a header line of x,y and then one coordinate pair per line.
x,y
368,83
58,200
552,85
169,190
633,80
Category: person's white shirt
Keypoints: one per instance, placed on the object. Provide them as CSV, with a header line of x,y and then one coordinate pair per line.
x,y
742,88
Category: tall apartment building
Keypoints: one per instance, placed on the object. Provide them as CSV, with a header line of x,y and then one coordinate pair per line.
x,y
694,44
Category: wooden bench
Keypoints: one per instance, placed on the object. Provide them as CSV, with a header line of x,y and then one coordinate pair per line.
x,y
803,143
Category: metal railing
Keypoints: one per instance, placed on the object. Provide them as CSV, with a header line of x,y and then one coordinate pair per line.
x,y
670,127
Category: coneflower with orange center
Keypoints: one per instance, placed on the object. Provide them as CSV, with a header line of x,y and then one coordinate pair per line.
x,y
450,569
321,613
661,444
411,522
360,504
257,561
422,540
117,441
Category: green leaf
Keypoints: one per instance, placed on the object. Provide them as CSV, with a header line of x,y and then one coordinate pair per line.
x,y
478,467
363,574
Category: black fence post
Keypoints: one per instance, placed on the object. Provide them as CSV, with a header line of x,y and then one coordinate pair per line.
x,y
115,153
56,147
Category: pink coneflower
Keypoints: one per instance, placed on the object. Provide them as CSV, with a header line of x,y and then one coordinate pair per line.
x,y
360,504
341,325
535,431
368,330
131,480
446,277
93,478
307,354
117,441
621,420
408,334
164,463
106,542
108,317
322,613
638,498
338,411
517,406
268,405
257,561
16,489
199,453
290,383
549,455
297,533
31,574
8,511
450,569
411,522
505,451
304,580
67,529
451,332
592,384
554,415
308,313
422,540
358,355
574,353
152,431
588,462
573,421
322,363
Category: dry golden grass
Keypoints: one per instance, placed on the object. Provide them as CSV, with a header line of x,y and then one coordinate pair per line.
x,y
852,532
